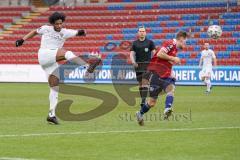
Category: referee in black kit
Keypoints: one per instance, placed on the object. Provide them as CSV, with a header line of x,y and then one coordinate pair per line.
x,y
141,53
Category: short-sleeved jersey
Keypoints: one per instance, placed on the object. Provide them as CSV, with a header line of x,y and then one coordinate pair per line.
x,y
161,66
207,56
52,39
143,50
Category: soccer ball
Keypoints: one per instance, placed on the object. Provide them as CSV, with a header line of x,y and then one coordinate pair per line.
x,y
214,31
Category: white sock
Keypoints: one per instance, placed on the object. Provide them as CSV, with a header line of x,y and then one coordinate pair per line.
x,y
70,56
53,98
208,82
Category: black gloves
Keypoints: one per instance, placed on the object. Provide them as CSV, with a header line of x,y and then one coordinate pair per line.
x,y
81,32
19,42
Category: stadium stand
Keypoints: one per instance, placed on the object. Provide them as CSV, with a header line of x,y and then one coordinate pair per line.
x,y
111,27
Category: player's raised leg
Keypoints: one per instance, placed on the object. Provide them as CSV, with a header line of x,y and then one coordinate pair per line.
x,y
63,54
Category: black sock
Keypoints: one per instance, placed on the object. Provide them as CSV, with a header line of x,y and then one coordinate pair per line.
x,y
144,108
143,93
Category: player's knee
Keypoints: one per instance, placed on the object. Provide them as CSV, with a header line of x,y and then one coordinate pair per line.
x,y
170,89
61,54
207,79
145,83
152,102
170,93
53,81
69,55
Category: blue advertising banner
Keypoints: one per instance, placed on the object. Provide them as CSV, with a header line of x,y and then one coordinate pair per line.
x,y
185,75
222,75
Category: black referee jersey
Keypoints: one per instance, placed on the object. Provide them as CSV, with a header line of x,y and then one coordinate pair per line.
x,y
143,50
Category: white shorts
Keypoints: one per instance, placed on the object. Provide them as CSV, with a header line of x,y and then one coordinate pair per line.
x,y
47,60
205,72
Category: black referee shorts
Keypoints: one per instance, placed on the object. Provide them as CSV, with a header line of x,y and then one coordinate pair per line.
x,y
140,71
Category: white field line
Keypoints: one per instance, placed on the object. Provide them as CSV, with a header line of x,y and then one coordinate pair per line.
x,y
14,158
118,131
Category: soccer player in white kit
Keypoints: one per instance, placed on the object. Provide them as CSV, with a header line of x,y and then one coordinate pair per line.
x,y
207,58
51,52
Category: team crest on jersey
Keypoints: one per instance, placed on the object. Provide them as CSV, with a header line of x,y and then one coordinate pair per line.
x,y
146,49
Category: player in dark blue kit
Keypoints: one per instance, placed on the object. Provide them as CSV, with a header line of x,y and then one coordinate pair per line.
x,y
159,75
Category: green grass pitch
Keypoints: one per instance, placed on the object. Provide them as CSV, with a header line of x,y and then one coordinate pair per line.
x,y
207,128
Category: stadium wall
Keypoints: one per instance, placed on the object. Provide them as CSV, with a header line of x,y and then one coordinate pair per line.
x,y
185,75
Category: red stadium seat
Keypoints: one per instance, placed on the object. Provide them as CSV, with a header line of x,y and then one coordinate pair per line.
x,y
235,54
193,55
183,61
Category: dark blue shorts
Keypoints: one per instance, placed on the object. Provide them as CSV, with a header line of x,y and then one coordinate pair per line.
x,y
158,84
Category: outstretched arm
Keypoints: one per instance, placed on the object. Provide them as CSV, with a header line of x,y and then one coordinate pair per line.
x,y
31,34
69,33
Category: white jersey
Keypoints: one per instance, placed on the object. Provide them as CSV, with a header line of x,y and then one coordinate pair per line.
x,y
52,39
207,56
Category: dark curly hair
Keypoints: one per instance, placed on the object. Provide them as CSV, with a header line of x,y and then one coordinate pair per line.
x,y
56,16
